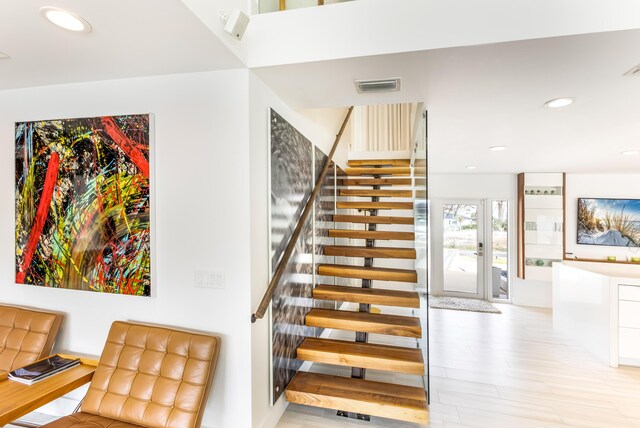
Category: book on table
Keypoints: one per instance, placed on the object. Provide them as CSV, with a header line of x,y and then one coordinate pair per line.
x,y
42,369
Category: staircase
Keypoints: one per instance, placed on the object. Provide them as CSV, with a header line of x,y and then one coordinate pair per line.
x,y
356,396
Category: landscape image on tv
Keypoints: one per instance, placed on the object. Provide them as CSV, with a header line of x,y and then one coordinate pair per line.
x,y
611,222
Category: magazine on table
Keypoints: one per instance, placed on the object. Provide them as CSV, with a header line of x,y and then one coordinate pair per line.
x,y
42,369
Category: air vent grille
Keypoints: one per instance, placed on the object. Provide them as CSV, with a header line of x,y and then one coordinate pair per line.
x,y
380,85
635,71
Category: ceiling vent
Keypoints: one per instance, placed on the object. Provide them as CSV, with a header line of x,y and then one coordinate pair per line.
x,y
635,71
379,85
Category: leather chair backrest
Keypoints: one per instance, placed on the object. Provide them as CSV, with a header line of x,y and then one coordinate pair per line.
x,y
26,335
152,376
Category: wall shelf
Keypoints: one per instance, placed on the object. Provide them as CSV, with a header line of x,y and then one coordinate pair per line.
x,y
620,262
541,236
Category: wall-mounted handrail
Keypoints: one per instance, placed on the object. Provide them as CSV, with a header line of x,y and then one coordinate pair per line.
x,y
268,295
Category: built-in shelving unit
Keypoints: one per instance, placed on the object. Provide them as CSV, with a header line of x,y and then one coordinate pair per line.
x,y
540,224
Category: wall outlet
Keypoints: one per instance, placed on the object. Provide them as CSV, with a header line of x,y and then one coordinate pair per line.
x,y
206,278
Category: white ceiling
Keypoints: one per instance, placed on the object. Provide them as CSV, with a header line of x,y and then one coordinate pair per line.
x,y
490,95
130,38
477,96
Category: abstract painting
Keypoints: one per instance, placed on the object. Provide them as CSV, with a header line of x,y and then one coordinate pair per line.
x,y
610,222
83,204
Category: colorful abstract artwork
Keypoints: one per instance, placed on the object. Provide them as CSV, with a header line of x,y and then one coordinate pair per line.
x,y
83,204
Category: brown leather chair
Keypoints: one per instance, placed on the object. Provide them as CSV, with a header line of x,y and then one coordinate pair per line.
x,y
150,377
26,335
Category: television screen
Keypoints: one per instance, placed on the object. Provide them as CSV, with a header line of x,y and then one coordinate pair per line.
x,y
611,222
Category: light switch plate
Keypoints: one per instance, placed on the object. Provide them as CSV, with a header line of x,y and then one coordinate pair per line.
x,y
207,278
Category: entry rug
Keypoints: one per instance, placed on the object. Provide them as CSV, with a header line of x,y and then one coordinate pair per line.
x,y
461,304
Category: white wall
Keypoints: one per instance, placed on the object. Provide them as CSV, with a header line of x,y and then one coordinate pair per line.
x,y
320,127
376,27
201,217
486,186
624,186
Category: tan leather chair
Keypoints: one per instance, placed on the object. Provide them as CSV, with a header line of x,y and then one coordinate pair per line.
x,y
26,335
150,377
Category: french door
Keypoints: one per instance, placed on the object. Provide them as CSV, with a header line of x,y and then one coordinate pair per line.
x,y
460,251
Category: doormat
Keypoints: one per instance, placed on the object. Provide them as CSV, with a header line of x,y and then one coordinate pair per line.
x,y
461,304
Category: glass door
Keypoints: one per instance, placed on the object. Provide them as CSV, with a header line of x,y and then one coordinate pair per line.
x,y
463,249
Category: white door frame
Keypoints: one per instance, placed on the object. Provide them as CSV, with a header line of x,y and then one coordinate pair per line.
x,y
437,254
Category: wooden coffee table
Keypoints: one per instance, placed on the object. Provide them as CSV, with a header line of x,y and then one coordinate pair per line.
x,y
19,399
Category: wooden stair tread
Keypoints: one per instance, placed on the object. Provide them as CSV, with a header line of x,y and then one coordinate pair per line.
x,y
366,355
375,205
379,162
371,234
395,325
381,399
393,170
376,182
375,273
373,296
344,218
375,252
382,193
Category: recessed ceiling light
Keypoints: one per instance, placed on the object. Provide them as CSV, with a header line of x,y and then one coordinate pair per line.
x,y
471,167
497,148
630,152
3,55
559,102
64,19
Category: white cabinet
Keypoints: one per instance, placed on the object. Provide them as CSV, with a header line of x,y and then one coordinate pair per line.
x,y
629,324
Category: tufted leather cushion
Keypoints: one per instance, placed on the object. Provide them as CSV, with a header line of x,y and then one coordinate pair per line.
x,y
26,335
152,376
85,420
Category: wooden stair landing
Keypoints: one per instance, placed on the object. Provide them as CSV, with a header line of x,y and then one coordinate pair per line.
x,y
385,400
394,325
379,162
363,272
371,234
376,182
374,252
375,205
393,170
366,355
368,219
373,296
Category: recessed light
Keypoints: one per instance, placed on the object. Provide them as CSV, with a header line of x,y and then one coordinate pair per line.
x,y
64,19
559,102
471,167
630,152
497,148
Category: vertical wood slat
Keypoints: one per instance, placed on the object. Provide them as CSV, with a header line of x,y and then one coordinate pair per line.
x,y
283,4
520,211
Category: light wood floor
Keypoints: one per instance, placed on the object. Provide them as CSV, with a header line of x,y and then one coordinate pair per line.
x,y
507,371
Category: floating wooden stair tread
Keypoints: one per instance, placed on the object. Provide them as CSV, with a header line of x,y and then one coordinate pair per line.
x,y
373,296
376,182
406,403
379,162
366,355
395,325
341,218
371,234
375,205
375,252
375,273
377,193
394,170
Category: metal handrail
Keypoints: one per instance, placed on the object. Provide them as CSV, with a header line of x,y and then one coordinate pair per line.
x,y
268,295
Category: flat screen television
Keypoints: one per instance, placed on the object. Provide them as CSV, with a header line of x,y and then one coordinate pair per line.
x,y
609,222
